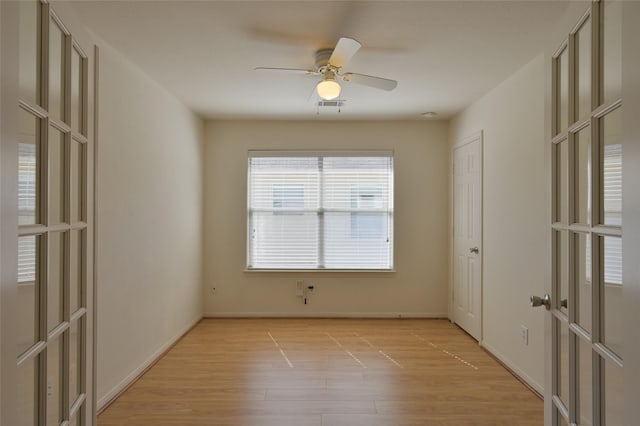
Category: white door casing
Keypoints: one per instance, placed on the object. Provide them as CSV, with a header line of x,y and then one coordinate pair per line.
x,y
467,235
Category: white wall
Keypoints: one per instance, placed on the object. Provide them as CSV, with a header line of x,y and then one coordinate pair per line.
x,y
8,212
149,221
514,221
631,206
418,287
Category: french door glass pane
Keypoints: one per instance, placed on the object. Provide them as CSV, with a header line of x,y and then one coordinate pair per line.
x,y
562,182
583,68
613,394
613,297
76,91
56,176
563,91
28,53
56,71
77,179
611,166
585,381
54,383
28,289
563,365
28,168
582,162
583,280
55,279
612,34
75,351
75,270
562,269
26,392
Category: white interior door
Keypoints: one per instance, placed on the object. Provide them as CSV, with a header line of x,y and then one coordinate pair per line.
x,y
584,385
467,236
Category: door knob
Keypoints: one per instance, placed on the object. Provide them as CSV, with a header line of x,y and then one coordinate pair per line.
x,y
541,301
475,250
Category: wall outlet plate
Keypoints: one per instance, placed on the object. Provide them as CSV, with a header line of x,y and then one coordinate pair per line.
x,y
524,334
299,288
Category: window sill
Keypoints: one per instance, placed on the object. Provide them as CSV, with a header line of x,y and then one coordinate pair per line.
x,y
334,271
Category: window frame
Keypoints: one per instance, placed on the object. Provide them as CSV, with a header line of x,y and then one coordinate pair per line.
x,y
321,153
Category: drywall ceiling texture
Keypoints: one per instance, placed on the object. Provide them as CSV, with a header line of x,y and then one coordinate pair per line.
x,y
444,54
419,285
149,222
514,215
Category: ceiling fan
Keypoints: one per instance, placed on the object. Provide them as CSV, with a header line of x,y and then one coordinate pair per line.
x,y
329,63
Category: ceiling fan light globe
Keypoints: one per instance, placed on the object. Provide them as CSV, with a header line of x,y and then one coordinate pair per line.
x,y
328,89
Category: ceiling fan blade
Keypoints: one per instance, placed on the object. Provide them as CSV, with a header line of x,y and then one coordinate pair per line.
x,y
369,80
344,51
296,70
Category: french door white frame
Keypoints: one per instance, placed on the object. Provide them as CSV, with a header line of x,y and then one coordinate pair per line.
x,y
73,137
569,336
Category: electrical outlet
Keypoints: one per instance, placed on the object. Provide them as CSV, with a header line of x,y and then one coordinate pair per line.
x,y
214,290
299,288
524,334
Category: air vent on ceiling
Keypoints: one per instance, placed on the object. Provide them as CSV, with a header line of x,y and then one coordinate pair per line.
x,y
333,103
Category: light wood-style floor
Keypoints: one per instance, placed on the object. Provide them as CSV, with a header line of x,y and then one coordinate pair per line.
x,y
326,372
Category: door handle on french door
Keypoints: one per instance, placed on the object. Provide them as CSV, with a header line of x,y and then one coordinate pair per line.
x,y
475,250
541,301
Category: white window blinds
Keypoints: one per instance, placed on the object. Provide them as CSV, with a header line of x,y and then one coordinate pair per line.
x,y
26,210
612,249
27,259
613,212
320,210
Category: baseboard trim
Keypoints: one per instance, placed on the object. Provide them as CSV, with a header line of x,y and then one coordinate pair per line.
x,y
416,315
125,384
517,372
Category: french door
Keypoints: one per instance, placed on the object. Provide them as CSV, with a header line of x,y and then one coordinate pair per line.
x,y
54,244
586,383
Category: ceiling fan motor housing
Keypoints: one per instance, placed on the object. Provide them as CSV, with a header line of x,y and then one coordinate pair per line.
x,y
322,58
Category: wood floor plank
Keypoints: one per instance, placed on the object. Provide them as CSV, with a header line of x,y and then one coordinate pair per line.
x,y
325,372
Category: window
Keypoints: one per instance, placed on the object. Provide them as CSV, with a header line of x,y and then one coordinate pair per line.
x,y
366,225
330,210
288,198
612,179
612,174
28,163
27,259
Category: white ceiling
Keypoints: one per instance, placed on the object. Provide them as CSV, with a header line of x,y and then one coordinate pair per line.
x,y
444,54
